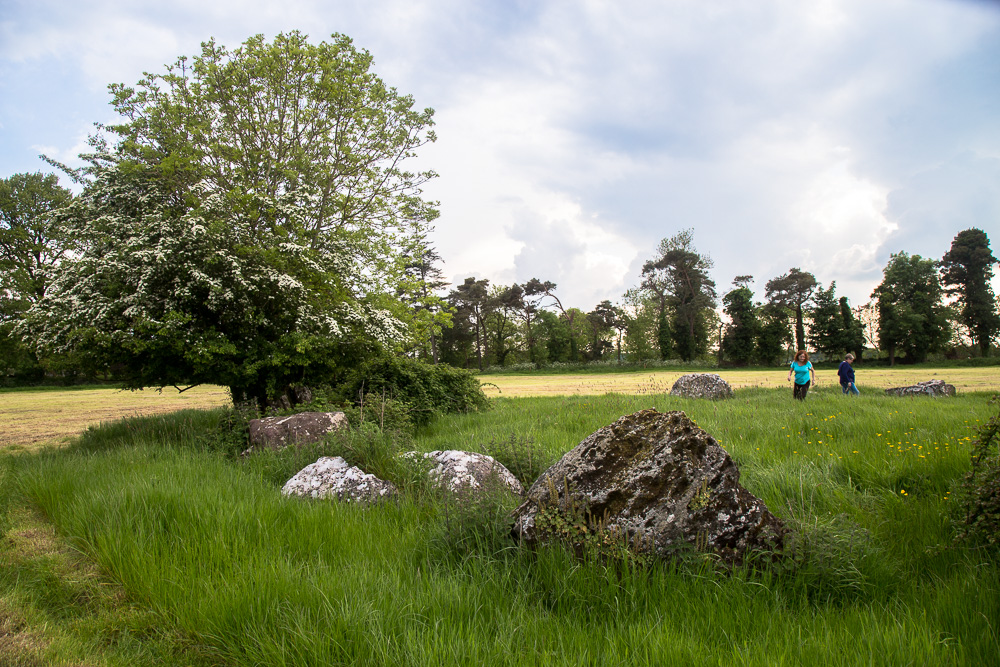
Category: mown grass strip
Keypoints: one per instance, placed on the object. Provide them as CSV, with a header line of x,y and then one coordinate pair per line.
x,y
58,608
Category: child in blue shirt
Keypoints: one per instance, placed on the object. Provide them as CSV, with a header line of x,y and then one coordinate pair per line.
x,y
804,374
846,374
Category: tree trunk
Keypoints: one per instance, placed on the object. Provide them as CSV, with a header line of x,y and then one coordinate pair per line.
x,y
800,329
479,350
254,395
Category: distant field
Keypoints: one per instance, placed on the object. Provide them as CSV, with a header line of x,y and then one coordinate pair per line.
x,y
32,417
658,382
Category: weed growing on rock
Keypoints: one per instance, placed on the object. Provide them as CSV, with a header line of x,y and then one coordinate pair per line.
x,y
566,518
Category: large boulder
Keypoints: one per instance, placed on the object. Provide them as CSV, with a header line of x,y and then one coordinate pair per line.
x,y
701,385
658,481
332,477
928,388
463,472
298,429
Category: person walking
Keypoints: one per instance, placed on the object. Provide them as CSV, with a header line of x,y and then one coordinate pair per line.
x,y
846,374
802,368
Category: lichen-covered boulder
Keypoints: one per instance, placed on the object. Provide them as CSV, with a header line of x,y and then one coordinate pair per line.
x,y
333,477
928,388
297,429
463,472
701,385
660,482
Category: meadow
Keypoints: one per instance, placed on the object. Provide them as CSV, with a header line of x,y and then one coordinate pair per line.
x,y
146,541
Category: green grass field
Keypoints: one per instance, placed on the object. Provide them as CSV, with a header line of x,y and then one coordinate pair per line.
x,y
167,550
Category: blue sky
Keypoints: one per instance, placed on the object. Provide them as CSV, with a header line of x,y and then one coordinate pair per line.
x,y
574,135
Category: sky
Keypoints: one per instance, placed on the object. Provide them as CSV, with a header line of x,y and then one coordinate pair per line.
x,y
574,135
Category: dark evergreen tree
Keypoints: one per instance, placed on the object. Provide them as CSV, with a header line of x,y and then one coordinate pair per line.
x,y
966,271
682,272
826,330
419,286
739,340
774,336
854,333
458,340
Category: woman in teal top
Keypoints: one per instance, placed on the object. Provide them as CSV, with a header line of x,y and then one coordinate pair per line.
x,y
804,373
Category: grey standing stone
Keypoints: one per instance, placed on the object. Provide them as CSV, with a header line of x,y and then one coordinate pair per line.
x,y
928,388
701,385
661,482
298,429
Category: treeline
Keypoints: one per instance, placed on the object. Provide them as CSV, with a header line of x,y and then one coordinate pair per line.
x,y
675,311
921,307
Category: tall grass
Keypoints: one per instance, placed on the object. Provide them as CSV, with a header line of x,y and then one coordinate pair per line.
x,y
205,540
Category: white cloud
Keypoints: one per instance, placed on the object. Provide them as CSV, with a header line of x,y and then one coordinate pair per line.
x,y
575,135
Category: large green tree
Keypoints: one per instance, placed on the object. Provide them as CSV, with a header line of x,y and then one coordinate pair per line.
x,y
602,321
246,223
833,330
31,245
504,305
966,270
31,240
690,292
471,298
792,291
911,316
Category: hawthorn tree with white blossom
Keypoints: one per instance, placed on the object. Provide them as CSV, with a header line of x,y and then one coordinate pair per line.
x,y
245,224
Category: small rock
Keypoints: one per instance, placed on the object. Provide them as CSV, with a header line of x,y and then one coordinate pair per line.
x,y
298,429
701,385
461,472
332,477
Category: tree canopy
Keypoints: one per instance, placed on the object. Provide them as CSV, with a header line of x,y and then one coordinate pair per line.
x,y
682,274
911,317
792,291
248,225
739,343
966,271
31,241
